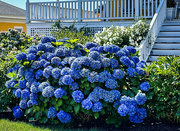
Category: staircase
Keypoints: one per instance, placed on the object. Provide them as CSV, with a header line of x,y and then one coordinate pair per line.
x,y
167,42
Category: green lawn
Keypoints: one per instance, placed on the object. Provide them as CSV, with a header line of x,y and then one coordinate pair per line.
x,y
6,125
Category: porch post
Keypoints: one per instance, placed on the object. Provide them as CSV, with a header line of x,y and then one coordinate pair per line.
x,y
136,9
27,11
79,10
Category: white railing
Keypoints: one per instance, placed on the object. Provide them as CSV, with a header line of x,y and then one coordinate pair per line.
x,y
80,10
155,25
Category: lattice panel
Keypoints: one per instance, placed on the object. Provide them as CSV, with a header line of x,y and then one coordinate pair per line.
x,y
42,31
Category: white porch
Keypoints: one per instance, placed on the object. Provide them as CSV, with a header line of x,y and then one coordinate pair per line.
x,y
95,14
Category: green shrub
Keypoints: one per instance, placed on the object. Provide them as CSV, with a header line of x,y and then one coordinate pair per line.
x,y
67,83
164,96
71,33
6,97
13,40
121,36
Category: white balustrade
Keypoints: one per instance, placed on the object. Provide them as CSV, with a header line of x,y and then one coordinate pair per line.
x,y
90,10
155,25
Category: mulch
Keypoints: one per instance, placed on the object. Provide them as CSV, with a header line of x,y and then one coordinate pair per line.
x,y
147,125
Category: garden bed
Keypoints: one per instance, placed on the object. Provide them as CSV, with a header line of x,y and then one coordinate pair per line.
x,y
147,125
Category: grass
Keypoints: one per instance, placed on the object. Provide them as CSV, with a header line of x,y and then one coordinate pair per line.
x,y
6,125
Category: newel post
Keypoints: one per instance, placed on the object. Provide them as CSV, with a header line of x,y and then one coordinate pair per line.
x,y
137,9
27,11
79,10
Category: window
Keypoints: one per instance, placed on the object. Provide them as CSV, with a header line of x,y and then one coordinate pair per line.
x,y
18,28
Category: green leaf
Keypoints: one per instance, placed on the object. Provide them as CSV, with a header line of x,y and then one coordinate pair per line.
x,y
96,115
37,115
65,97
16,85
72,102
41,98
76,108
11,75
45,120
135,89
59,103
26,63
31,119
37,108
53,101
93,85
46,100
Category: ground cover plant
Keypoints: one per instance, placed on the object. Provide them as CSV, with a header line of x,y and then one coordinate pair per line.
x,y
121,36
164,94
57,82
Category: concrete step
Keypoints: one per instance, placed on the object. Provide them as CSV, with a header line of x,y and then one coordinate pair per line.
x,y
166,46
170,28
157,52
152,58
171,23
169,34
165,40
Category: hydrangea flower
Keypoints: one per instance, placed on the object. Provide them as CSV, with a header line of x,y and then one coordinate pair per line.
x,y
89,45
18,93
111,83
21,56
78,96
123,110
50,56
106,62
59,93
31,56
51,112
132,110
94,55
85,72
64,117
120,53
33,96
74,86
66,71
34,87
67,80
140,98
76,65
131,49
85,60
94,64
135,119
135,59
145,86
56,73
39,73
125,61
17,112
118,74
125,100
131,72
47,71
22,84
93,77
140,71
35,65
75,74
32,49
86,104
141,112
104,76
25,94
42,86
23,104
114,63
56,61
94,96
141,64
48,91
97,107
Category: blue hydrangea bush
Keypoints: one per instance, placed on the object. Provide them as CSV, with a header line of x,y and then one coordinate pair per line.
x,y
58,83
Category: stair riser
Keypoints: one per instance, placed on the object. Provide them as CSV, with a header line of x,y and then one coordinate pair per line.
x,y
153,58
165,40
170,28
165,52
166,46
169,34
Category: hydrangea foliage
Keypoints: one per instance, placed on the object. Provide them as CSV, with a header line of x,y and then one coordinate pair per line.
x,y
57,83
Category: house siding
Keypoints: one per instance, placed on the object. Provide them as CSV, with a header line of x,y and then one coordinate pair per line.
x,y
4,26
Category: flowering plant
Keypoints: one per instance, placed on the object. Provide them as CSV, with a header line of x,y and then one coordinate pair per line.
x,y
122,36
63,83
